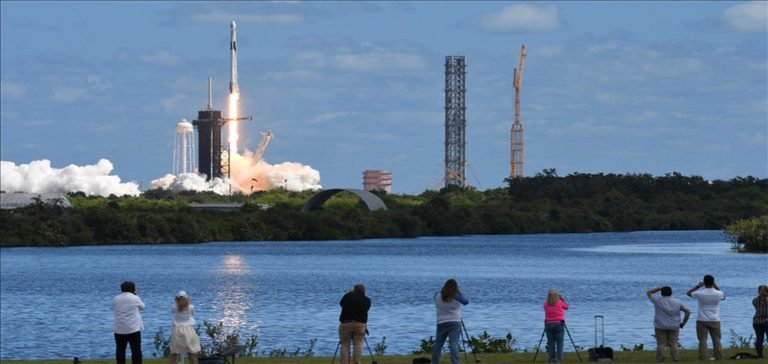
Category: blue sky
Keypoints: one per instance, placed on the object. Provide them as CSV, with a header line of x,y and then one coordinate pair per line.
x,y
624,87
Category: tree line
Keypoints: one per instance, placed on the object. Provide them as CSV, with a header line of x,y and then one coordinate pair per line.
x,y
544,203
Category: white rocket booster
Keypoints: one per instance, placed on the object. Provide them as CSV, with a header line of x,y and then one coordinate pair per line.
x,y
233,87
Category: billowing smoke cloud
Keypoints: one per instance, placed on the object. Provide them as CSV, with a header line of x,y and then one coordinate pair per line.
x,y
191,182
40,177
249,174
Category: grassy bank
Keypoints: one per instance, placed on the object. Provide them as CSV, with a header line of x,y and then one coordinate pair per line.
x,y
522,357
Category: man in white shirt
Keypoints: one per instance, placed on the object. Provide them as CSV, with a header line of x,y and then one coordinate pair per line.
x,y
708,319
128,324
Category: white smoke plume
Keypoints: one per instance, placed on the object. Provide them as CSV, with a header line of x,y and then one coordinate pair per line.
x,y
39,177
248,175
191,182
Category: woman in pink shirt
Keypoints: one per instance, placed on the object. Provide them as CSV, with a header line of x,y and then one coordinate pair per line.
x,y
554,319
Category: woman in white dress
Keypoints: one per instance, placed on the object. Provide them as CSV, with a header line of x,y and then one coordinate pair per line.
x,y
184,339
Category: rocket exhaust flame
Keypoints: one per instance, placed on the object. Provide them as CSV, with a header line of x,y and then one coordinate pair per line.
x,y
234,89
233,136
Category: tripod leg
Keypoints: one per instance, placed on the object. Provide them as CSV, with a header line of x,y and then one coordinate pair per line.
x,y
373,360
463,346
539,346
469,341
338,345
572,343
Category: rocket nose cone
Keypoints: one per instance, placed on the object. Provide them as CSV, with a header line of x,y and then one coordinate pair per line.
x,y
233,25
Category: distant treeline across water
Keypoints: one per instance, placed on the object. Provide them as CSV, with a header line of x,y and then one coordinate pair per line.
x,y
544,203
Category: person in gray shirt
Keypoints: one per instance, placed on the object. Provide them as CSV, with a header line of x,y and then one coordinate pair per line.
x,y
666,321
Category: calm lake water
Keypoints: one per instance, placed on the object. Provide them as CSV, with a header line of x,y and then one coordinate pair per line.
x,y
56,302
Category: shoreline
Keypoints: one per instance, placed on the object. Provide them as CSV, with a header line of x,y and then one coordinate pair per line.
x,y
414,238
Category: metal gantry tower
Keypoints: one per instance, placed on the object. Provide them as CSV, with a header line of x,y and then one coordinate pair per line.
x,y
208,124
455,120
517,143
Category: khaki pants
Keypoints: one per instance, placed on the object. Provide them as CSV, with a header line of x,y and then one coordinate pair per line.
x,y
665,337
355,332
713,329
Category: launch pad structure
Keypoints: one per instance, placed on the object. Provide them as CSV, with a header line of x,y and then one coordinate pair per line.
x,y
208,124
455,121
209,147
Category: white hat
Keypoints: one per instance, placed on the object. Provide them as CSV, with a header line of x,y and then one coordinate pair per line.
x,y
182,294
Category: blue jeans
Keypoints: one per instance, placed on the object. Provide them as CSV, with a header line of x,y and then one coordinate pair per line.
x,y
452,331
555,335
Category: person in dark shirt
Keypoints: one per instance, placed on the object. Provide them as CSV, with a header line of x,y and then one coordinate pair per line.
x,y
353,318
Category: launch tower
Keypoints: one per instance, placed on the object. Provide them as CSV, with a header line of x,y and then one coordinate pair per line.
x,y
517,145
208,125
455,121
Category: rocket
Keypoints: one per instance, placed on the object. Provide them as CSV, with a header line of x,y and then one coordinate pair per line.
x,y
233,87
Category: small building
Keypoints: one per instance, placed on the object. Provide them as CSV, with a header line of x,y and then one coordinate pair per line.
x,y
18,199
377,180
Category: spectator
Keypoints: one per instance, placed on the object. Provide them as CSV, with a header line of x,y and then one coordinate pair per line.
x,y
760,321
448,302
666,321
128,324
354,317
708,318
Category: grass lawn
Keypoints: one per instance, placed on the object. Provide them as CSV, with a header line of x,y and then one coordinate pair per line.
x,y
619,356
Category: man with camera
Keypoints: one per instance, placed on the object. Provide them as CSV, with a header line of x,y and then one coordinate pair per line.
x,y
666,321
353,318
708,319
128,324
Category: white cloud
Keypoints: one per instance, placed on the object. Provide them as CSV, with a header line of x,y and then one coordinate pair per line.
x,y
379,61
605,46
753,138
160,57
522,17
294,75
174,104
673,66
222,17
328,116
99,83
314,59
12,89
546,51
747,17
67,95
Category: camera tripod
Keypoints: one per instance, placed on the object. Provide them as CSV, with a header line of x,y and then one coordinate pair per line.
x,y
365,338
465,338
569,336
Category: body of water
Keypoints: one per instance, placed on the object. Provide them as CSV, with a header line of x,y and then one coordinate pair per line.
x,y
56,302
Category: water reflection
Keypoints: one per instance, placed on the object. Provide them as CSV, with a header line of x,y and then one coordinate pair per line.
x,y
232,300
234,265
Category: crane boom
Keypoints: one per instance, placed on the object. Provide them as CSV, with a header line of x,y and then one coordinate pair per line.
x,y
517,133
519,69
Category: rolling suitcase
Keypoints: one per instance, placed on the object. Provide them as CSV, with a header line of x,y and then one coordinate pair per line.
x,y
600,353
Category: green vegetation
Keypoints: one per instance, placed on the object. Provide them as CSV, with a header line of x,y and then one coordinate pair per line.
x,y
749,235
544,203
